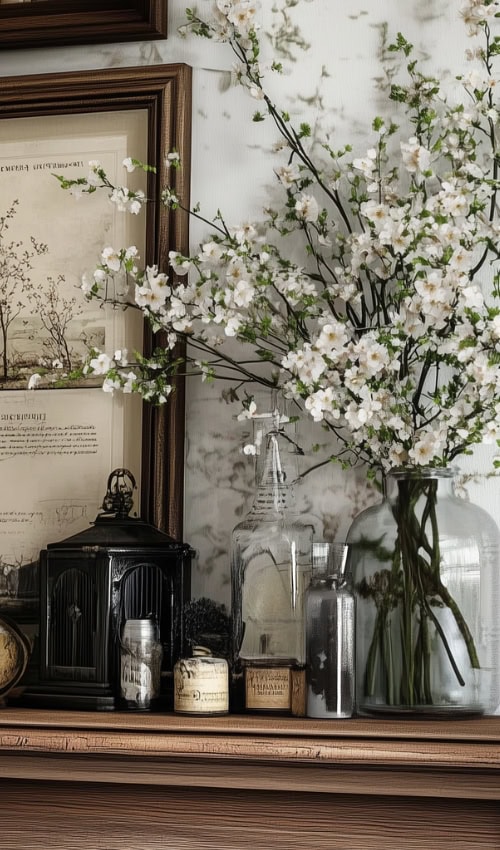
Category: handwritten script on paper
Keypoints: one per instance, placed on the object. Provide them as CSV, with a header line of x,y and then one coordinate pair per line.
x,y
48,440
55,457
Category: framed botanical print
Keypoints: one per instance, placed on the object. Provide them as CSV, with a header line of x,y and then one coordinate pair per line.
x,y
60,441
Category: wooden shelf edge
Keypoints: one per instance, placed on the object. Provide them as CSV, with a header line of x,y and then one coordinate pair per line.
x,y
482,729
459,759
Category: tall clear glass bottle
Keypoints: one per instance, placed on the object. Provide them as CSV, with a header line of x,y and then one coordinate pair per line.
x,y
270,570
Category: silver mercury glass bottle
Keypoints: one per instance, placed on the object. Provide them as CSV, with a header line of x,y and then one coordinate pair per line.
x,y
329,608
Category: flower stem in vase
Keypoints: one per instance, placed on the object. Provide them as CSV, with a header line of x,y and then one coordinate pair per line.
x,y
417,625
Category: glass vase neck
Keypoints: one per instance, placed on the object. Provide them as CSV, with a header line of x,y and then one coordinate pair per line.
x,y
422,472
401,478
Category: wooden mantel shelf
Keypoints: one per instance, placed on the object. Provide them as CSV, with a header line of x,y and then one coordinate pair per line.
x,y
438,774
451,757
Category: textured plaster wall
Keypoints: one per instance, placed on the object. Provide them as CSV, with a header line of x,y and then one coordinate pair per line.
x,y
335,67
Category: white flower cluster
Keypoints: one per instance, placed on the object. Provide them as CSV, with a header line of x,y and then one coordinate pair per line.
x,y
476,14
125,199
383,335
235,18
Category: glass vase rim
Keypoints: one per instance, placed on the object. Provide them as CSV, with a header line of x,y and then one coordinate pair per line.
x,y
400,472
270,414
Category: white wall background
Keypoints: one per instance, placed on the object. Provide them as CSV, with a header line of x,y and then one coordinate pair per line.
x,y
232,170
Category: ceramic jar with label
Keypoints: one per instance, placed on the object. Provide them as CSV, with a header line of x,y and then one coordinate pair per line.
x,y
201,684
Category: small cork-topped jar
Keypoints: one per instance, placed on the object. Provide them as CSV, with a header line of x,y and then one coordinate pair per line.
x,y
201,684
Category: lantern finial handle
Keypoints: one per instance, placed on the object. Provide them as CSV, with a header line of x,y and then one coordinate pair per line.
x,y
119,497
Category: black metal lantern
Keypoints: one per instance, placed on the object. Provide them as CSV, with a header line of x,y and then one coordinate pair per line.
x,y
120,569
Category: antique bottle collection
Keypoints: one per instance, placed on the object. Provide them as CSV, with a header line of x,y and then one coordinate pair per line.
x,y
316,628
114,599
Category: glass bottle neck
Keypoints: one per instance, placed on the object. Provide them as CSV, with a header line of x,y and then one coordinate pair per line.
x,y
276,472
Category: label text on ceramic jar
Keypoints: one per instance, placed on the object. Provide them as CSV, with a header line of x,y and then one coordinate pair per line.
x,y
201,686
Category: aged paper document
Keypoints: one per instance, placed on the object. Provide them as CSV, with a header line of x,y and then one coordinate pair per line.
x,y
58,445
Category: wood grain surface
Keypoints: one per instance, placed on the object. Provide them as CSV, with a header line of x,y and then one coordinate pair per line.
x,y
35,816
143,782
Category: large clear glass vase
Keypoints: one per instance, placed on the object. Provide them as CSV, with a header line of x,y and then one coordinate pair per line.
x,y
424,566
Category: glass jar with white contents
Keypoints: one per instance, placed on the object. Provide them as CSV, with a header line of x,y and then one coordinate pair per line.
x,y
140,665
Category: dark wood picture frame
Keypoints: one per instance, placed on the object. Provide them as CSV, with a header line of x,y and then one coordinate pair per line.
x,y
64,22
163,92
